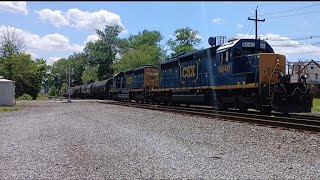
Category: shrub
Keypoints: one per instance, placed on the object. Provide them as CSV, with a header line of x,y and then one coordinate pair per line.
x,y
25,97
41,97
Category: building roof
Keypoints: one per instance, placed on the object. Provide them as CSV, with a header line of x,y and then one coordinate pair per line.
x,y
5,81
317,64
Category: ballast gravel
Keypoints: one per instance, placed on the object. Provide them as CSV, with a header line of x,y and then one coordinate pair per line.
x,y
85,140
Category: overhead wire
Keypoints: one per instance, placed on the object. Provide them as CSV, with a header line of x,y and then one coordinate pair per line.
x,y
245,26
272,3
279,12
251,30
273,17
248,28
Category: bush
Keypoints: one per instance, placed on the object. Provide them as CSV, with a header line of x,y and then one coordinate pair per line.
x,y
52,91
41,97
25,97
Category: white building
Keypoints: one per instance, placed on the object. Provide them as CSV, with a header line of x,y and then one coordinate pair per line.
x,y
7,92
311,69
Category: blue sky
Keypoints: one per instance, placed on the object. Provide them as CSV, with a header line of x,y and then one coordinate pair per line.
x,y
54,30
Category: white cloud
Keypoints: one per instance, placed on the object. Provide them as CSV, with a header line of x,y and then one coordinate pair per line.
x,y
48,44
91,38
286,45
92,20
239,26
217,21
14,6
81,19
54,17
51,60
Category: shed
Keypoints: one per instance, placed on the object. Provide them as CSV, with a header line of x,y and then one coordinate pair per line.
x,y
7,92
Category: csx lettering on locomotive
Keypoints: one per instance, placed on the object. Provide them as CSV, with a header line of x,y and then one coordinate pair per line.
x,y
188,71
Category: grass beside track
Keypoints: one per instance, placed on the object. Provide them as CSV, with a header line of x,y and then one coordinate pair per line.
x,y
9,109
316,105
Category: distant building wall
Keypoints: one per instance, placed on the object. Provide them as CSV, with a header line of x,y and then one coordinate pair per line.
x,y
7,92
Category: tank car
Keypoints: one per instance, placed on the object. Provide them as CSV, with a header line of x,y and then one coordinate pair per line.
x,y
101,89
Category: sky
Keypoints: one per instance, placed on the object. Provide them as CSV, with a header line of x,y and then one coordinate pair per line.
x,y
54,30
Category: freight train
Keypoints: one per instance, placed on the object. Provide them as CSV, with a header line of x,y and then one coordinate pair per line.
x,y
239,73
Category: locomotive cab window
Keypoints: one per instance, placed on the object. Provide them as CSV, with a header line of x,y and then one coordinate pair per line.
x,y
224,57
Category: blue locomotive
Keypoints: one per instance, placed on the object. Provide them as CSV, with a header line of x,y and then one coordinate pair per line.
x,y
240,73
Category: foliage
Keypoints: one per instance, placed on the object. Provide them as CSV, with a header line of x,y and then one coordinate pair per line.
x,y
185,41
316,105
141,49
90,74
41,97
53,91
102,52
25,97
28,74
64,88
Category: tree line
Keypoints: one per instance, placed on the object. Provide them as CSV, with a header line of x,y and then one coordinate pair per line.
x,y
99,60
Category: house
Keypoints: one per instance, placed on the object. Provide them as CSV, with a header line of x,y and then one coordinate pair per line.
x,y
311,70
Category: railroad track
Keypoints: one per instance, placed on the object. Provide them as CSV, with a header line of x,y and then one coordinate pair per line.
x,y
298,122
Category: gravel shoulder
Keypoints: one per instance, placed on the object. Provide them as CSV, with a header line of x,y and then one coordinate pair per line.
x,y
84,140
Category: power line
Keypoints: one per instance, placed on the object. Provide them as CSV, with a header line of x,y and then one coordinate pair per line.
x,y
259,26
292,39
245,26
251,30
292,15
297,45
290,10
272,3
248,27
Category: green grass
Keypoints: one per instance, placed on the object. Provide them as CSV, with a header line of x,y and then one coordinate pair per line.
x,y
9,109
41,97
316,105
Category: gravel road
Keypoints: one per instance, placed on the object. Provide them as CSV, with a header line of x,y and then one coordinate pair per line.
x,y
83,140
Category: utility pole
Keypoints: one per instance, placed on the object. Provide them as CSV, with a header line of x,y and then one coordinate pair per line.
x,y
256,21
69,90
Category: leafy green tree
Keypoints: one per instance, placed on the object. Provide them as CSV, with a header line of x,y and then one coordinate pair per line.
x,y
79,62
186,39
90,74
28,74
141,49
64,88
59,70
52,91
102,52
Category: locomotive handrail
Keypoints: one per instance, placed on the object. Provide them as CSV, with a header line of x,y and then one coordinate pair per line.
x,y
271,76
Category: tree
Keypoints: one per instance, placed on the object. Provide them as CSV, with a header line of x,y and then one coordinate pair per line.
x,y
58,71
28,74
141,49
185,41
11,42
102,52
79,62
90,74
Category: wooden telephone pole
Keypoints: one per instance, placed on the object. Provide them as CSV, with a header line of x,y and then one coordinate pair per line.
x,y
256,21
